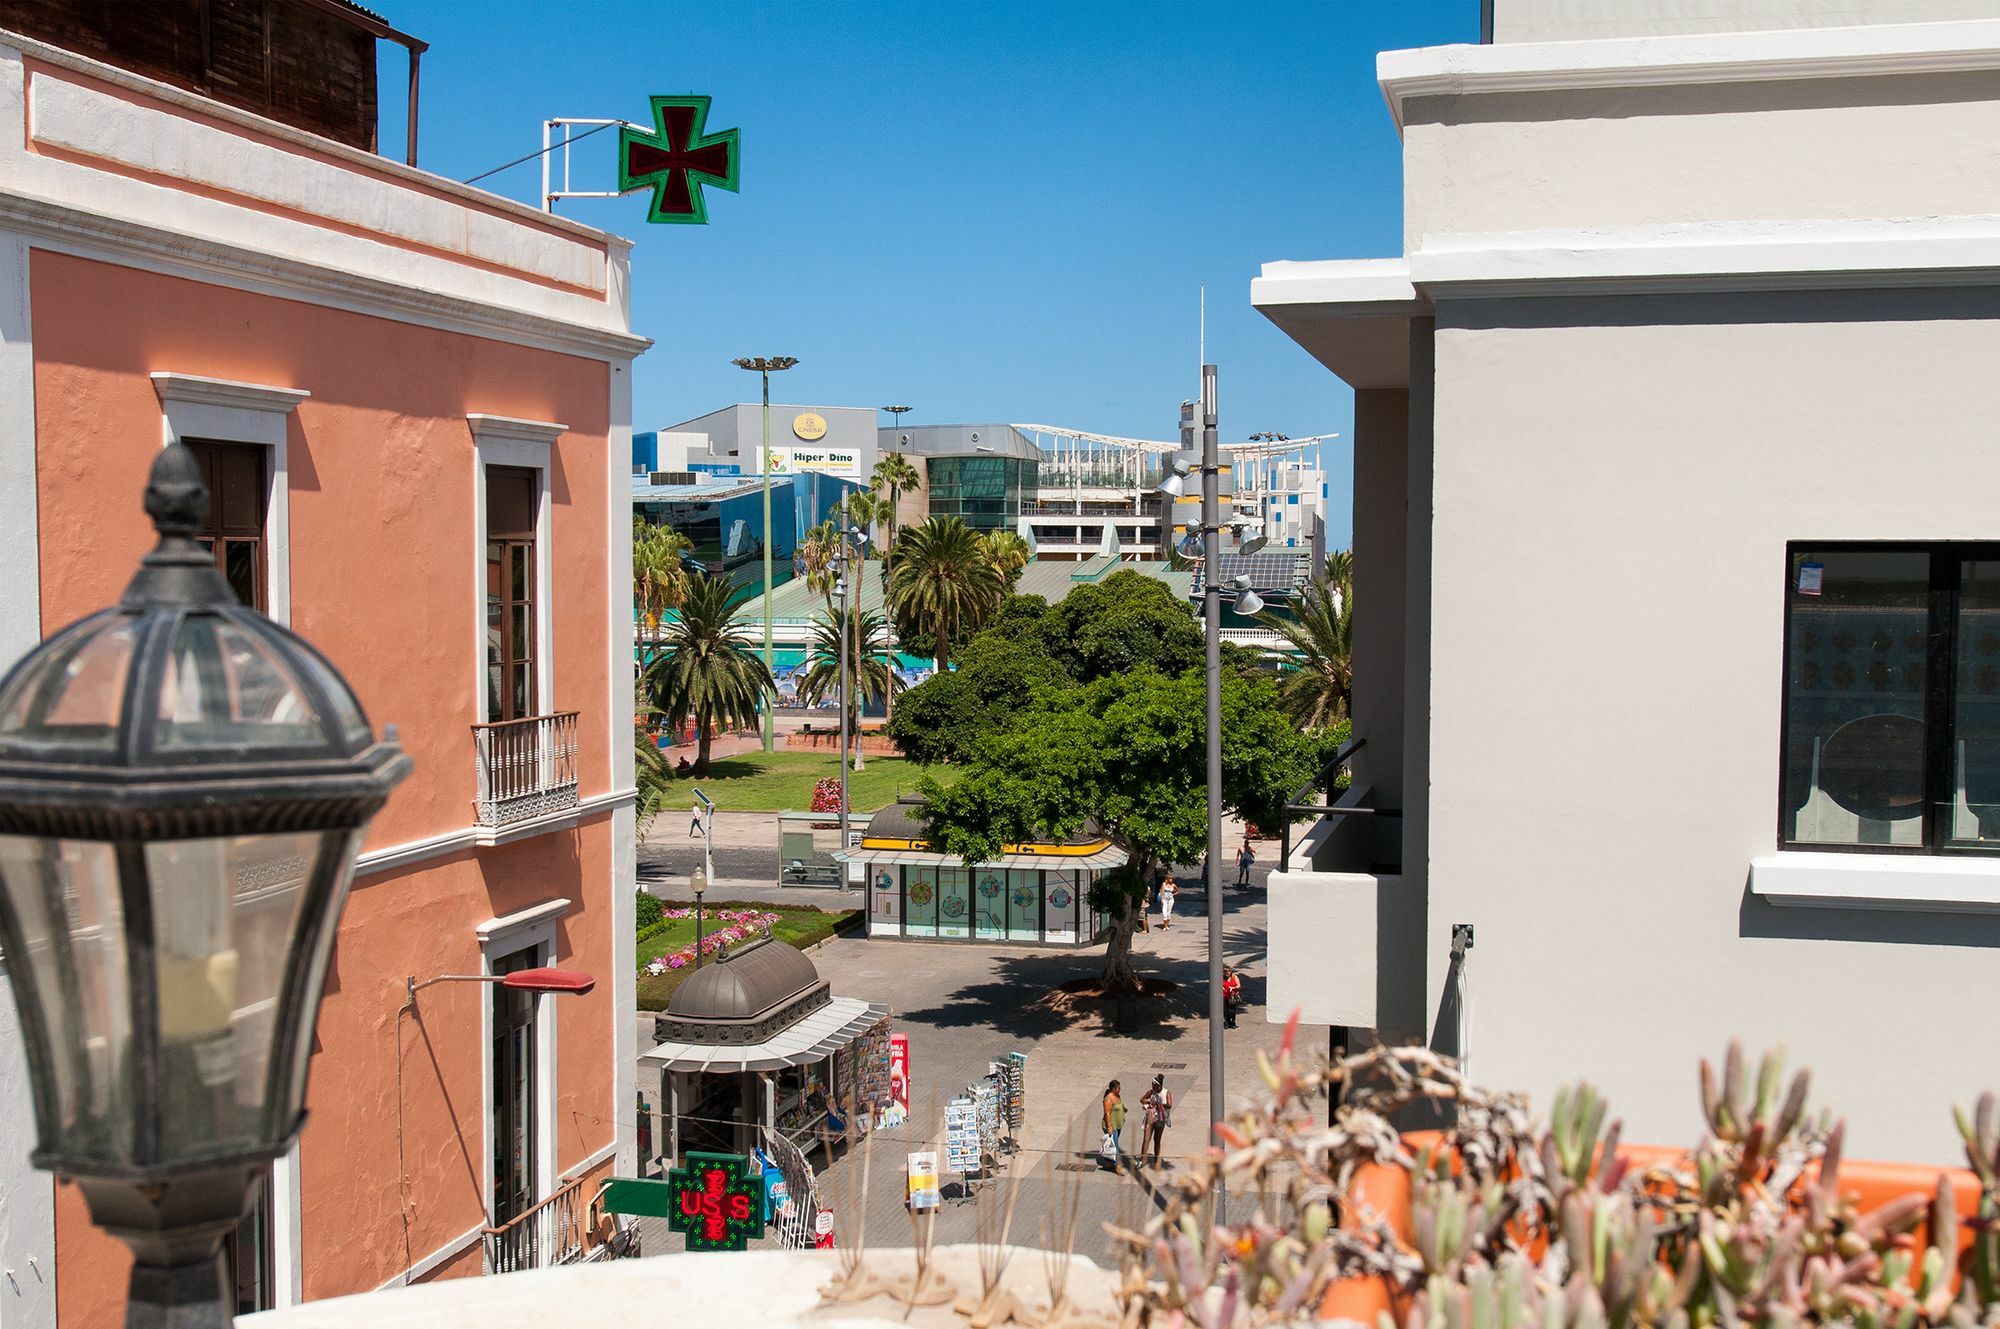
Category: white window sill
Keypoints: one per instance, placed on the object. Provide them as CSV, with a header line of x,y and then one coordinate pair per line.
x,y
1878,881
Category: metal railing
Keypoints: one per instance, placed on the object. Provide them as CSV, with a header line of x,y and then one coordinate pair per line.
x,y
527,768
1297,803
549,1234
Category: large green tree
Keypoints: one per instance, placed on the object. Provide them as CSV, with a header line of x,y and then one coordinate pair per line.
x,y
708,673
1126,621
1126,753
944,585
948,716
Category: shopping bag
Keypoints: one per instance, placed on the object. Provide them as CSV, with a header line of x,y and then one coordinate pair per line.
x,y
1107,1150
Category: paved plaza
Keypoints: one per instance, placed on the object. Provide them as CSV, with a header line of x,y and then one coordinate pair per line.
x,y
966,1004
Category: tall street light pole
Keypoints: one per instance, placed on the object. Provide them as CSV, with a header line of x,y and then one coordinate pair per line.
x,y
764,366
1211,608
1205,545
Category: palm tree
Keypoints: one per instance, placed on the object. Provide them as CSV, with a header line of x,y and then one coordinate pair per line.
x,y
1339,568
658,577
652,777
863,508
1008,553
895,474
872,680
819,559
710,672
1318,681
944,582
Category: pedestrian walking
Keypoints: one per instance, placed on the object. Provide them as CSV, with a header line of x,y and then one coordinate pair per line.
x,y
1232,996
1245,859
694,827
1158,1105
1111,1146
1166,903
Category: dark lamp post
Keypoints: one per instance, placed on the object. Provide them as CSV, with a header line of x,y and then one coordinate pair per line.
x,y
183,788
698,883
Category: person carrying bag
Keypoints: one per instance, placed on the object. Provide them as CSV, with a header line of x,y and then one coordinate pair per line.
x,y
1109,1147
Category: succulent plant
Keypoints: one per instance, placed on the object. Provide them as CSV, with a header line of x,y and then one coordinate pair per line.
x,y
1518,1227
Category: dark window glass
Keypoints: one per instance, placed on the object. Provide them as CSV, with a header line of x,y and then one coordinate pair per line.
x,y
233,531
1892,697
1855,707
513,1093
247,1255
510,593
1974,811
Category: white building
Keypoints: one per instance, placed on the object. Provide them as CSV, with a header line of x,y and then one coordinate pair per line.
x,y
1675,524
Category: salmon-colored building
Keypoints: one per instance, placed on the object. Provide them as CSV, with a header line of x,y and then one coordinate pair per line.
x,y
412,401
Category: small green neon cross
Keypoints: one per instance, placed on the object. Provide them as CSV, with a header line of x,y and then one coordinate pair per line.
x,y
677,159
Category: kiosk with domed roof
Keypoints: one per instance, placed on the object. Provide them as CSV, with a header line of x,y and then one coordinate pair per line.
x,y
754,1041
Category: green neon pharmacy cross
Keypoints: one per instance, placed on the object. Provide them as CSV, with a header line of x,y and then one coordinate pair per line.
x,y
677,159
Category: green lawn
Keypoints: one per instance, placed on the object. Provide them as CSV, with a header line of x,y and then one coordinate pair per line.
x,y
783,781
802,927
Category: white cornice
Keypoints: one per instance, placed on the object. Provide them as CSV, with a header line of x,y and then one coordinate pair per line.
x,y
1788,255
226,392
1360,285
60,227
1738,57
546,912
452,842
169,95
508,429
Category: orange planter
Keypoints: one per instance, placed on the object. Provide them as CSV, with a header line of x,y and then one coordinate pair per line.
x,y
1382,1192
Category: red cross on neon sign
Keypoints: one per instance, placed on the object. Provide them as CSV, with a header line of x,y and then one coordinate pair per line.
x,y
677,159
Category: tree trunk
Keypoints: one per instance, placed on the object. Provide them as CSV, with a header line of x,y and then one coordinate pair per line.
x,y
859,694
704,736
888,617
1118,975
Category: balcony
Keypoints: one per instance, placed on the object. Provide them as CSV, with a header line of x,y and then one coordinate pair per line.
x,y
547,1235
1344,925
527,773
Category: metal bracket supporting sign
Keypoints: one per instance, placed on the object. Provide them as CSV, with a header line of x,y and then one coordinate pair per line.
x,y
637,1197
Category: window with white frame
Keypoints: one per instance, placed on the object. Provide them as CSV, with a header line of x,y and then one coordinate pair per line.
x,y
238,433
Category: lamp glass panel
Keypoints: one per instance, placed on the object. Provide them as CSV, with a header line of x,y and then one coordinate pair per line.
x,y
66,939
225,912
225,686
323,926
73,693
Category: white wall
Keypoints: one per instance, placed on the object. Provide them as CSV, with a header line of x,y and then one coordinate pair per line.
x,y
1583,20
27,1197
1893,146
1615,482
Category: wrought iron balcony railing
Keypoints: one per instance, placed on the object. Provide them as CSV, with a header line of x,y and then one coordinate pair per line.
x,y
549,1234
527,768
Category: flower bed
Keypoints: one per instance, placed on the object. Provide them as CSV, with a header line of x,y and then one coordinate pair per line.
x,y
734,925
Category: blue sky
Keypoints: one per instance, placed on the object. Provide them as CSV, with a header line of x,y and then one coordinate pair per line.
x,y
991,212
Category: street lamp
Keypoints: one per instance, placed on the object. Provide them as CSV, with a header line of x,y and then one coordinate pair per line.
x,y
699,883
183,787
764,366
1245,601
852,541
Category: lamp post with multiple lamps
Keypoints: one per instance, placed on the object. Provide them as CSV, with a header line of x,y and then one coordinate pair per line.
x,y
764,366
183,787
1205,545
853,543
